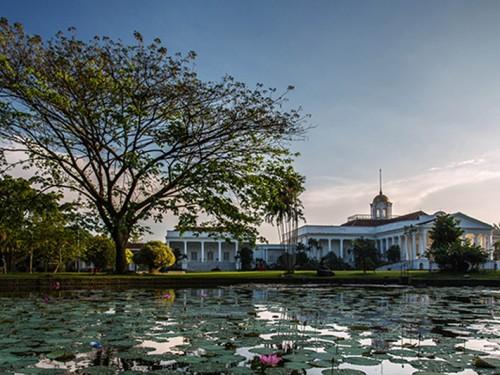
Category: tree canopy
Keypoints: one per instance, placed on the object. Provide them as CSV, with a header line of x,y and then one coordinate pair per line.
x,y
448,249
136,133
100,251
155,255
36,228
366,256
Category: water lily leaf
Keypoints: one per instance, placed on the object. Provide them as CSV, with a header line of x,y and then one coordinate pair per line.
x,y
265,351
362,361
297,365
343,371
98,370
486,362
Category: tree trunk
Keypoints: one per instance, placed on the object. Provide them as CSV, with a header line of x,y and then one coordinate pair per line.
x,y
31,261
120,238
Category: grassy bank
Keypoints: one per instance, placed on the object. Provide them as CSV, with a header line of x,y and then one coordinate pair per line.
x,y
212,279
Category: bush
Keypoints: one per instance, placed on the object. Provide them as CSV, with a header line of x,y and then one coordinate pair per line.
x,y
394,254
155,255
285,261
303,262
246,258
333,262
459,256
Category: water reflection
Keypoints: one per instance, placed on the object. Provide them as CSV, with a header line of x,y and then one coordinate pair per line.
x,y
313,329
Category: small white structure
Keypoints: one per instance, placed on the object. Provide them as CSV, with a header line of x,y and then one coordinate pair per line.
x,y
205,251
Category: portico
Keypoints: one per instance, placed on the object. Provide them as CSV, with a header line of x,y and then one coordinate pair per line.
x,y
202,251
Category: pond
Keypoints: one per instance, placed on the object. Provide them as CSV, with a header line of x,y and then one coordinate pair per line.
x,y
248,329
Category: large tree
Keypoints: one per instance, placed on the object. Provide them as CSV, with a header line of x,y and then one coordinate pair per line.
x,y
135,132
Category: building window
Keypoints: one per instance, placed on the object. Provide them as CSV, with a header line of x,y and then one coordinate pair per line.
x,y
194,255
210,256
226,256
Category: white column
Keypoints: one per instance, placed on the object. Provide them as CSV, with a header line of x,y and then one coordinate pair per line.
x,y
405,247
476,239
413,245
219,253
236,253
329,245
202,251
421,244
185,253
341,248
491,245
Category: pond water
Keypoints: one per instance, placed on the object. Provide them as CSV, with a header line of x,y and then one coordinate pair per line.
x,y
233,330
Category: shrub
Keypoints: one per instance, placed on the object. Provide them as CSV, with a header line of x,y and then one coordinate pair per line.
x,y
155,255
246,258
394,254
333,262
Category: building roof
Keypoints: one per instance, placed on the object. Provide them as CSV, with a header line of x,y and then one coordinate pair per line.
x,y
376,222
380,198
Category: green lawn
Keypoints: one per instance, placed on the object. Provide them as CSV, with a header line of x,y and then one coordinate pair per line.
x,y
423,275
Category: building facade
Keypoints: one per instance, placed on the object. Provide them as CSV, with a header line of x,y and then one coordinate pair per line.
x,y
410,232
204,251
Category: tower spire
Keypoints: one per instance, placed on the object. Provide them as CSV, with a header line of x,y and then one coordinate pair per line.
x,y
380,179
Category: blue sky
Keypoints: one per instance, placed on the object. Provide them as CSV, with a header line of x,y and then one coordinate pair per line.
x,y
412,87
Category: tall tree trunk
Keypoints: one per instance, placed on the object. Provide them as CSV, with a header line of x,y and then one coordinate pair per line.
x,y
120,238
31,261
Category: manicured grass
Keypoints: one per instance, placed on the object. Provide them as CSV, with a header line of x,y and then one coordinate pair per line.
x,y
395,275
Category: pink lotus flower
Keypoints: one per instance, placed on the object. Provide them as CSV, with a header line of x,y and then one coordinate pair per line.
x,y
271,360
167,296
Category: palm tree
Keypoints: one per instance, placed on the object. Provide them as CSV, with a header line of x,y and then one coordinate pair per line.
x,y
285,211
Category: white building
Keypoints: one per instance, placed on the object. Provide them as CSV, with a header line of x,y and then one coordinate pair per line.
x,y
205,251
410,232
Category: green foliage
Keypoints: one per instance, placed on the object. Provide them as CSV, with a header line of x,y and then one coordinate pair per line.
x,y
285,261
246,258
155,255
394,254
496,251
100,251
445,232
129,256
366,255
35,229
304,262
137,134
449,251
459,256
333,262
179,257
